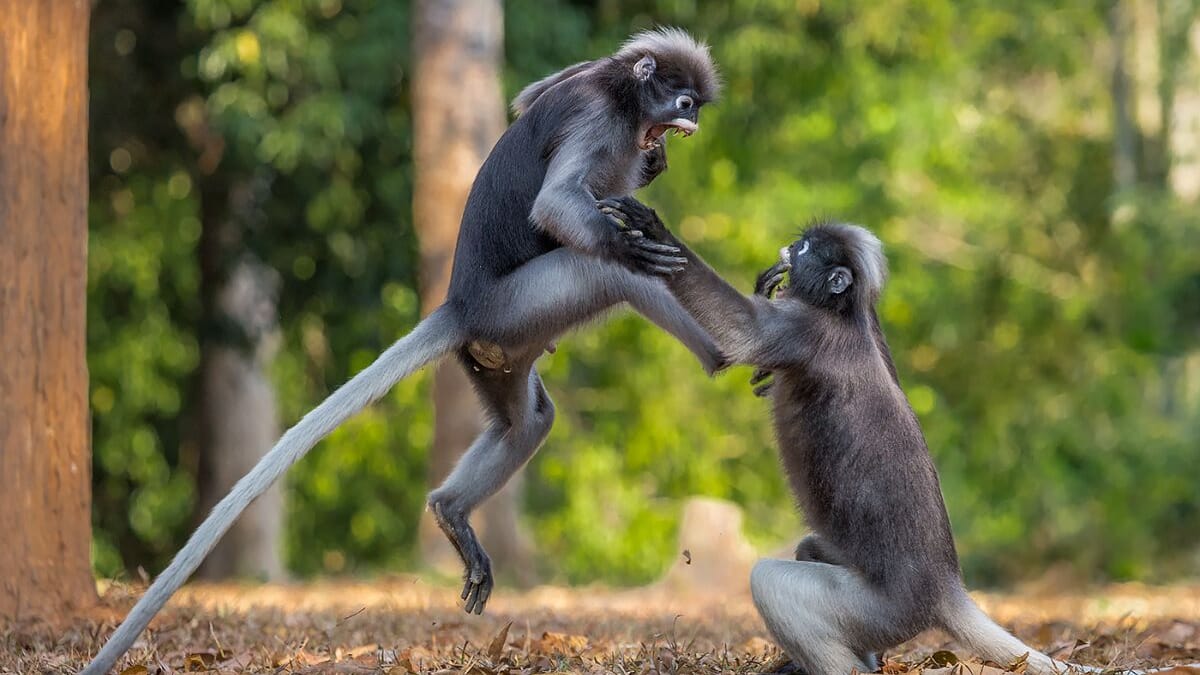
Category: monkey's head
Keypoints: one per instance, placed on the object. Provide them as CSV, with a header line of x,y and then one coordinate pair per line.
x,y
835,266
672,76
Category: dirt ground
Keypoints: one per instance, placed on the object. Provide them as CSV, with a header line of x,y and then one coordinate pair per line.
x,y
405,624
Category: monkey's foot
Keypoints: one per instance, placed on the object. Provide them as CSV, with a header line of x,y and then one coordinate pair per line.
x,y
478,586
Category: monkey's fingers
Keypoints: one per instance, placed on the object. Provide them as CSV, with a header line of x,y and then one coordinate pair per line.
x,y
759,375
661,270
767,287
621,204
770,279
676,263
657,247
763,390
620,221
644,262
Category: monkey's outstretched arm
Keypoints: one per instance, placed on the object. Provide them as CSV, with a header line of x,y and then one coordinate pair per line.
x,y
745,328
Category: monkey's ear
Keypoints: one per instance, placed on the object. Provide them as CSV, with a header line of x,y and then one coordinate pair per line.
x,y
644,68
839,280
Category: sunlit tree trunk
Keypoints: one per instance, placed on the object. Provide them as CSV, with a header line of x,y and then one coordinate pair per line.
x,y
458,113
45,454
1180,20
1179,34
238,418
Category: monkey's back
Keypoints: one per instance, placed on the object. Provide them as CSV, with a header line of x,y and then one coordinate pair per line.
x,y
863,476
496,235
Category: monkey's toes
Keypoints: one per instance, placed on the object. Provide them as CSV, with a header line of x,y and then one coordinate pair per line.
x,y
478,588
476,595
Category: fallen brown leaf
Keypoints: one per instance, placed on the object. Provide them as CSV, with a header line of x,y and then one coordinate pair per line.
x,y
496,648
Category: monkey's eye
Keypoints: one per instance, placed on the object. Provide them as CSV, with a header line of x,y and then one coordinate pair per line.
x,y
684,102
803,248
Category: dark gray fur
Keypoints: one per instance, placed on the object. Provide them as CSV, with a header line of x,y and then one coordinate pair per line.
x,y
880,566
534,259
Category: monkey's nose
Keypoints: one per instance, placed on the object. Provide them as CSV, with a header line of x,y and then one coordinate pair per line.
x,y
785,256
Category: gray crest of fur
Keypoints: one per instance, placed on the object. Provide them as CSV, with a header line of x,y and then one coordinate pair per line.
x,y
674,45
866,255
666,45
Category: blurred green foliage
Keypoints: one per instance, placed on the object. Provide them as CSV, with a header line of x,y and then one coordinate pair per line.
x,y
1045,326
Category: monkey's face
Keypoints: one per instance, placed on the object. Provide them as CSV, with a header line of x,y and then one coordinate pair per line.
x,y
818,271
670,102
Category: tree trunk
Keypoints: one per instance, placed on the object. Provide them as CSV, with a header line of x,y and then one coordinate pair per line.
x,y
1181,97
238,422
45,454
1124,135
458,113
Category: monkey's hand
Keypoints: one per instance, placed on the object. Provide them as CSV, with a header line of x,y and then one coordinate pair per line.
x,y
762,380
630,214
770,280
631,246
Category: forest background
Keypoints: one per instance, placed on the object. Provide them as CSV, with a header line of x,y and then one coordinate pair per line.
x,y
1033,171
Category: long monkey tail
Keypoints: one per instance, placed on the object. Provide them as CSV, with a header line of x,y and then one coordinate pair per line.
x,y
433,338
963,619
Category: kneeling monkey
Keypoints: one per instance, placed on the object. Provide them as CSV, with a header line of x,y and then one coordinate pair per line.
x,y
881,566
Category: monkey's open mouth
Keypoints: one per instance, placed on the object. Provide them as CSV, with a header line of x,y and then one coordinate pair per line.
x,y
655,132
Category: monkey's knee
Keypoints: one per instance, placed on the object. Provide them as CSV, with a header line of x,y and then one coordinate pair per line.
x,y
794,601
809,549
445,505
772,591
814,548
765,578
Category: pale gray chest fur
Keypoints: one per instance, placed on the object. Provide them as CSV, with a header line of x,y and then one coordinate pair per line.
x,y
616,163
617,177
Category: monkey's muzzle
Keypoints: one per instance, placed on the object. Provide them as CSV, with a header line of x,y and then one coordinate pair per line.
x,y
655,132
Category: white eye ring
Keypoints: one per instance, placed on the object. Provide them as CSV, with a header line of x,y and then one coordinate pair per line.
x,y
684,102
803,248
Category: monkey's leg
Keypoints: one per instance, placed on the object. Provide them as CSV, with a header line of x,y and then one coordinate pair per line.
x,y
653,300
555,292
522,414
814,548
824,616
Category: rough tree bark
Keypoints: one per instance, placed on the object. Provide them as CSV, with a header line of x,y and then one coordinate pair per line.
x,y
458,113
45,453
239,421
